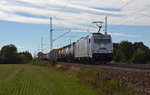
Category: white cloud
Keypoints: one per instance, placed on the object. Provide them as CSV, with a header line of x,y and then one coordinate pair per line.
x,y
77,13
19,47
123,35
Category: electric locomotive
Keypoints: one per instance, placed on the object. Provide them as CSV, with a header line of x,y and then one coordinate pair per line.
x,y
96,47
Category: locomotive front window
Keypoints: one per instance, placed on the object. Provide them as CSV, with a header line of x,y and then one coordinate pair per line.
x,y
102,41
106,41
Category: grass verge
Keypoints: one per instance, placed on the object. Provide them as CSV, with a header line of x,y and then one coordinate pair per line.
x,y
94,78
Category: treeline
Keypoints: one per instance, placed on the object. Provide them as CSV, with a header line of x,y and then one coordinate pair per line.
x,y
10,55
124,52
127,52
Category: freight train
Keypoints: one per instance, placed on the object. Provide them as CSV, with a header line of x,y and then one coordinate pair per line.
x,y
96,47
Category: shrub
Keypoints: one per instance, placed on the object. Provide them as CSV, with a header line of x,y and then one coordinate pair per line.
x,y
33,62
140,57
112,86
25,57
90,75
126,50
52,62
123,83
105,86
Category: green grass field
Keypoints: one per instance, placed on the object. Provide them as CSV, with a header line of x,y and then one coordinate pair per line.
x,y
37,80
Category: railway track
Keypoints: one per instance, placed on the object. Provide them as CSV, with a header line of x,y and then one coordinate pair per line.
x,y
142,68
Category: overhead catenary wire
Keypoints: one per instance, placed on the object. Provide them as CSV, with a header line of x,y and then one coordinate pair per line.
x,y
61,35
61,23
55,16
61,10
124,5
131,19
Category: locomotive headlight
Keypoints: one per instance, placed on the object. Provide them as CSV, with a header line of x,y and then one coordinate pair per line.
x,y
102,45
110,51
95,51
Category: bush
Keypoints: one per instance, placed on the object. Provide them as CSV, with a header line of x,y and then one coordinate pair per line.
x,y
90,76
0,57
126,50
33,62
123,83
10,55
104,85
52,62
140,57
112,86
25,57
117,57
131,53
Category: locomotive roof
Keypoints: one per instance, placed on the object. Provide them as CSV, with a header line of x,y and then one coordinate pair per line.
x,y
91,34
84,38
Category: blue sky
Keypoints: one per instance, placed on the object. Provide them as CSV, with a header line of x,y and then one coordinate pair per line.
x,y
24,22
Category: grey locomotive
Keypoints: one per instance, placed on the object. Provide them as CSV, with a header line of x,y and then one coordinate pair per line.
x,y
96,47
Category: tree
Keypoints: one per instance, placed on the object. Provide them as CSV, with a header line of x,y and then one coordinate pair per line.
x,y
126,50
0,58
142,54
9,54
137,45
117,56
115,45
25,57
141,57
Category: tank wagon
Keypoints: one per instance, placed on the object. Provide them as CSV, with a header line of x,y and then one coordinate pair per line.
x,y
53,54
96,47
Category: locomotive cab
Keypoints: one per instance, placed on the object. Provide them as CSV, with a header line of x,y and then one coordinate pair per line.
x,y
101,47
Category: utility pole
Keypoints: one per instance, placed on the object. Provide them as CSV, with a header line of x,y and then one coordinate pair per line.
x,y
99,24
38,48
41,44
106,25
70,37
51,34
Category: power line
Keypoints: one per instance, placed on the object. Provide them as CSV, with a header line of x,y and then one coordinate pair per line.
x,y
61,23
41,44
115,11
115,3
62,8
51,30
132,19
70,37
61,35
123,6
68,2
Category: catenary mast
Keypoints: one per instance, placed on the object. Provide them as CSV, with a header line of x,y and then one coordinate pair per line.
x,y
51,34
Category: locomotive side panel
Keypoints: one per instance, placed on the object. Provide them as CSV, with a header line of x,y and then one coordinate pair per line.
x,y
81,48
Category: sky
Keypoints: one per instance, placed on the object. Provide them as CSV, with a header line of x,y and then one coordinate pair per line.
x,y
25,22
